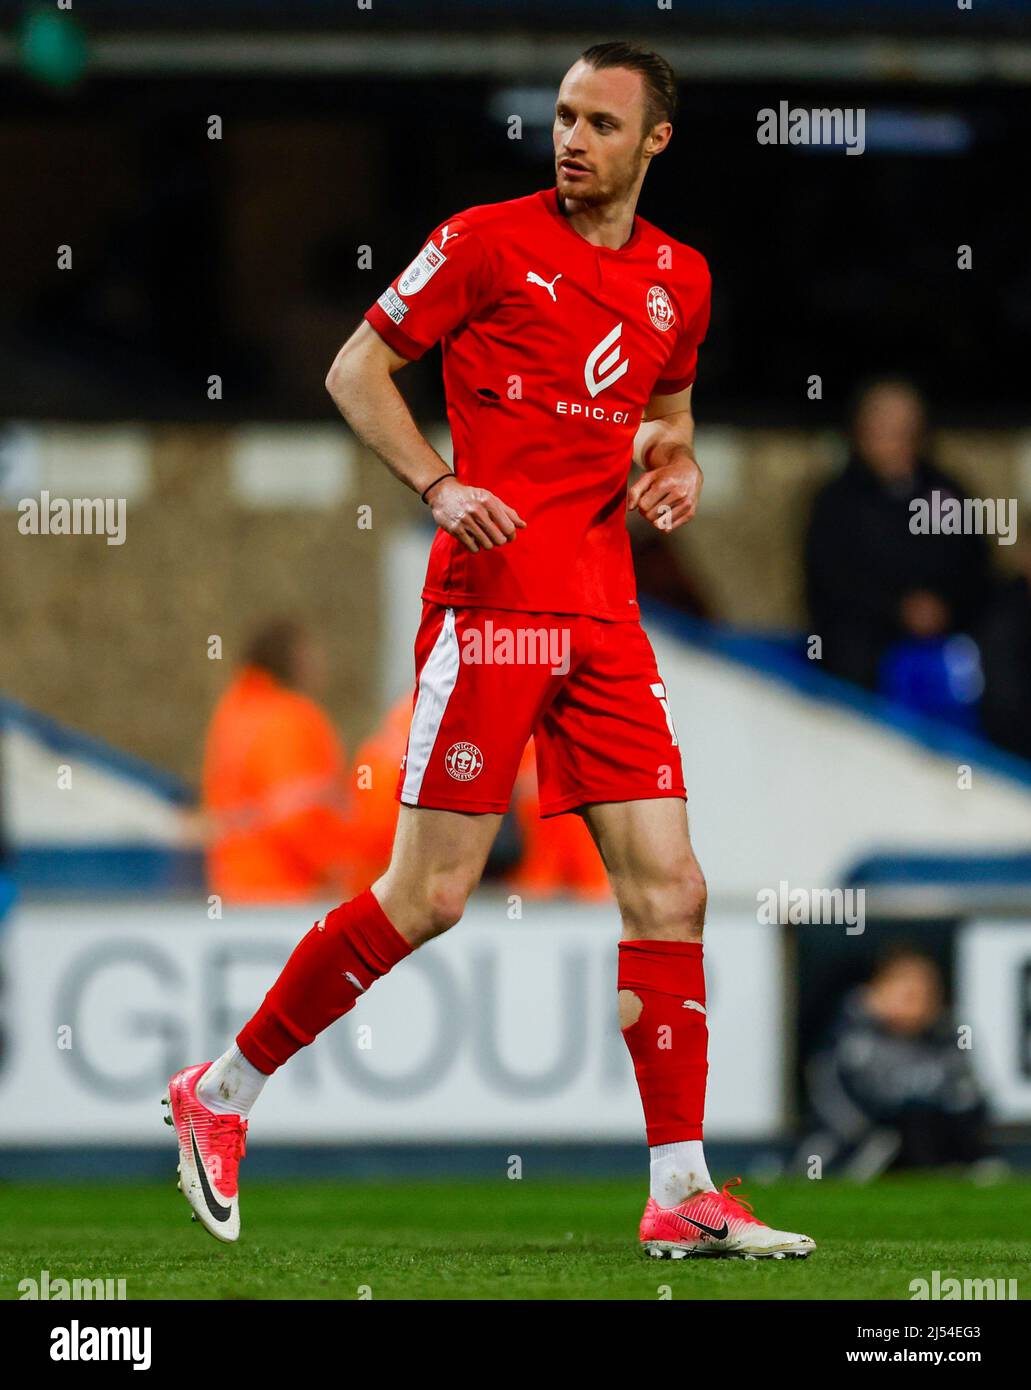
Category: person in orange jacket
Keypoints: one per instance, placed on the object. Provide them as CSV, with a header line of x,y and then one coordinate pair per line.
x,y
274,779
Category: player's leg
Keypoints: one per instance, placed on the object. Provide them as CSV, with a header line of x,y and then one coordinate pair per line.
x,y
437,860
660,890
662,1011
607,745
470,723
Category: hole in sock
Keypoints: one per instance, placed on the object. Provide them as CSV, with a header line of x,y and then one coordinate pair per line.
x,y
629,1009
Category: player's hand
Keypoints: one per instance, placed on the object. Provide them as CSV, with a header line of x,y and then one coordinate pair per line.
x,y
473,515
667,496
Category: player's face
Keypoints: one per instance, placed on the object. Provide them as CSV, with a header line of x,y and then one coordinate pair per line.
x,y
601,148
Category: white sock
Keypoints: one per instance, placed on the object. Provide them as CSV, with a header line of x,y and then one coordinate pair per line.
x,y
231,1085
678,1171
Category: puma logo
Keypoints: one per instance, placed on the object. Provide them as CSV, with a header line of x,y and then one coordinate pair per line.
x,y
445,236
532,278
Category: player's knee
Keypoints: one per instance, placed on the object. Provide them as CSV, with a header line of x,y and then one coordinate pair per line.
x,y
669,903
423,906
446,897
690,895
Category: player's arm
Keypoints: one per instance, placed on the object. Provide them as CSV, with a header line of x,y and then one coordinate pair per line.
x,y
360,382
667,492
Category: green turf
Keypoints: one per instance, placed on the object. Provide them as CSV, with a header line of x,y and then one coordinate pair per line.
x,y
507,1239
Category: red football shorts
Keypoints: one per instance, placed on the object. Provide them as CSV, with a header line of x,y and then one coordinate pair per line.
x,y
588,691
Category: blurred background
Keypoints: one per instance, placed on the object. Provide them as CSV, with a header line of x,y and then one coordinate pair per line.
x,y
202,716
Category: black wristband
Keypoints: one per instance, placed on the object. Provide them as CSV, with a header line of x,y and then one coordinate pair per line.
x,y
425,490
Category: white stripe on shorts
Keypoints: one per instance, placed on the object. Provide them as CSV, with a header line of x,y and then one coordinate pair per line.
x,y
437,681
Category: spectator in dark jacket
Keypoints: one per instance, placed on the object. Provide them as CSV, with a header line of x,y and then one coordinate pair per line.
x,y
892,1087
870,579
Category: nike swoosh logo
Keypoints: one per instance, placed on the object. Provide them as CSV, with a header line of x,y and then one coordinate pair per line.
x,y
218,1211
717,1232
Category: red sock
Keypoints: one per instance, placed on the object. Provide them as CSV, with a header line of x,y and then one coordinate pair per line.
x,y
339,959
669,1042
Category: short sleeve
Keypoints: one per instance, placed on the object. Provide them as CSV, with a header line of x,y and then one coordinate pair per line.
x,y
446,284
682,368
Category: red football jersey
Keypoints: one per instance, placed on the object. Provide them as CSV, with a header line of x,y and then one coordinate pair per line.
x,y
552,349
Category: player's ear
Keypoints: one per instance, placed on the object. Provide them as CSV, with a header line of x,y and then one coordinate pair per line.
x,y
659,138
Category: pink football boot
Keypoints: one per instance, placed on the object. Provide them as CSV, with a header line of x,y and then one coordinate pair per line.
x,y
210,1149
716,1223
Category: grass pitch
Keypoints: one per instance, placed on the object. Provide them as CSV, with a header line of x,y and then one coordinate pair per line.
x,y
527,1239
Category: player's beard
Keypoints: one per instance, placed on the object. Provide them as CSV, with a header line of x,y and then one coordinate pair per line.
x,y
617,189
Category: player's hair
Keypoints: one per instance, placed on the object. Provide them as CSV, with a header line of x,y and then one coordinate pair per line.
x,y
660,82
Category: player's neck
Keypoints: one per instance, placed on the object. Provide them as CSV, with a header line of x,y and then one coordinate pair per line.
x,y
610,225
